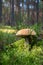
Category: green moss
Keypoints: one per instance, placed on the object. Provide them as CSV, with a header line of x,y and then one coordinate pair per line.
x,y
19,54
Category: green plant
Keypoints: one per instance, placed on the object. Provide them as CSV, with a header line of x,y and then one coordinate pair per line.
x,y
18,54
6,38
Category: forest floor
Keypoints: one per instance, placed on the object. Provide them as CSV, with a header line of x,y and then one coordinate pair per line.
x,y
15,51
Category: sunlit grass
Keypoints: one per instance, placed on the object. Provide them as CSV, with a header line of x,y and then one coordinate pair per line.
x,y
8,30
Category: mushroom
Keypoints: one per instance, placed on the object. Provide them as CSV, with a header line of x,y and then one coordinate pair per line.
x,y
28,34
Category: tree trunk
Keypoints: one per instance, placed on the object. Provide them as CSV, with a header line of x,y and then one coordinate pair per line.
x,y
0,11
33,13
12,12
42,15
37,7
27,3
18,15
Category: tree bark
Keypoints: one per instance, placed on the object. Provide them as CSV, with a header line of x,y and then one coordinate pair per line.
x,y
28,12
12,12
0,11
37,7
18,15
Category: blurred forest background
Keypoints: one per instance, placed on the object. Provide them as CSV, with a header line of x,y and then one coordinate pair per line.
x,y
17,12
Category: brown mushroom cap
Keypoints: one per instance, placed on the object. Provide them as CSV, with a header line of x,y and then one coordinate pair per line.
x,y
25,32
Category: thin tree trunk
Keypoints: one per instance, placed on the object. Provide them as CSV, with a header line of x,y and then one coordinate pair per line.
x,y
42,15
0,11
33,13
27,3
12,12
37,6
18,18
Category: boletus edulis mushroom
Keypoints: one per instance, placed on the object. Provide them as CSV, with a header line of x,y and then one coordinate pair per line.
x,y
28,34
